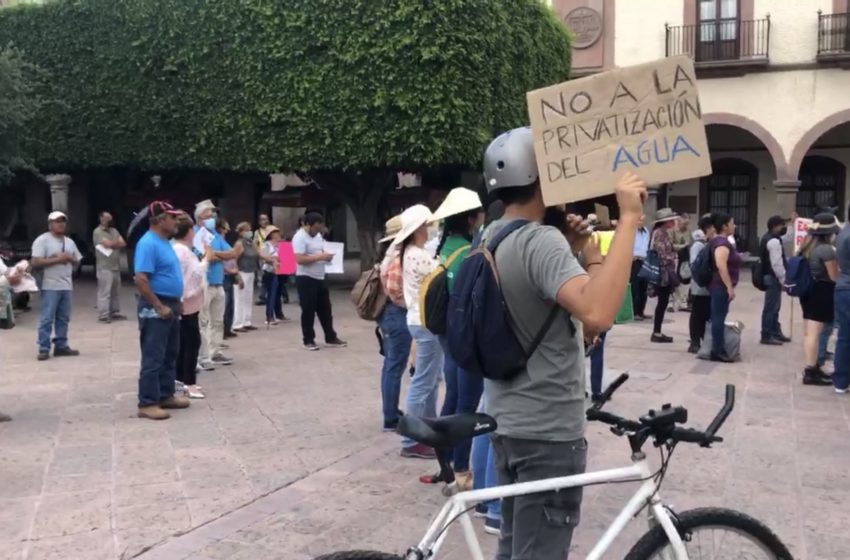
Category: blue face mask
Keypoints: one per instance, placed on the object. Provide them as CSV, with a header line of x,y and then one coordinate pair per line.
x,y
209,223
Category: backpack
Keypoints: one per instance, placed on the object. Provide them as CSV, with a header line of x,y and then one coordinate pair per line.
x,y
702,269
368,294
434,295
480,331
798,276
758,268
650,270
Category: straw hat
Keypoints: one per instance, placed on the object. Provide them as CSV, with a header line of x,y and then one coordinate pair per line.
x,y
412,219
391,229
664,215
458,201
824,224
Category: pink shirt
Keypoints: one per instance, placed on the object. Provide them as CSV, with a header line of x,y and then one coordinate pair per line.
x,y
194,278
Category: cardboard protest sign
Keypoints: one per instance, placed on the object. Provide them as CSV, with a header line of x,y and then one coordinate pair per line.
x,y
286,258
602,214
801,230
646,119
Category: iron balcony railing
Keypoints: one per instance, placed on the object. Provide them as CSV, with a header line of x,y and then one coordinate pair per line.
x,y
721,41
833,34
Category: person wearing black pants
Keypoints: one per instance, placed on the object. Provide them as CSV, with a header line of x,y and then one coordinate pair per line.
x,y
700,296
190,346
662,246
313,295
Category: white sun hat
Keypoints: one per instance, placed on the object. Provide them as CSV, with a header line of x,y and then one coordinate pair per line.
x,y
458,201
412,219
391,228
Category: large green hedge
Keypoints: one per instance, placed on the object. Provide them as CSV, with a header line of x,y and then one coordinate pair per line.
x,y
274,85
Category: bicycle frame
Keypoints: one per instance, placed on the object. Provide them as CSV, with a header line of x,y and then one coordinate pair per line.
x,y
457,505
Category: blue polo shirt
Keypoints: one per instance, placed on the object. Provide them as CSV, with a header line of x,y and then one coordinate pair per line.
x,y
155,257
215,272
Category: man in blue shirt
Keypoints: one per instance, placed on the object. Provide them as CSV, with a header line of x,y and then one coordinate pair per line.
x,y
639,284
212,313
160,283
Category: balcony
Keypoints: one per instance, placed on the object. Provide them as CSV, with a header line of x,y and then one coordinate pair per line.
x,y
833,36
725,44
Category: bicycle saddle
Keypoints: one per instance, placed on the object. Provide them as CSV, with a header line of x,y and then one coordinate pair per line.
x,y
445,432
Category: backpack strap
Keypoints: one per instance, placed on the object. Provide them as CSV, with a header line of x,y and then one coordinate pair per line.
x,y
541,334
455,254
504,233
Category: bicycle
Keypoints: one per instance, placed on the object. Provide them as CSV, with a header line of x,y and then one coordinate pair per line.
x,y
671,536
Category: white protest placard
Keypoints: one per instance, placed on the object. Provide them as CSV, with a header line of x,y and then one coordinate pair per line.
x,y
646,119
801,230
336,265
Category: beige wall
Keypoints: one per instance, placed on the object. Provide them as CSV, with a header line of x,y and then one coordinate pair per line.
x,y
793,28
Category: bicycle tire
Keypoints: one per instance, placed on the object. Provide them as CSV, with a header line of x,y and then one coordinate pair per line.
x,y
655,540
359,555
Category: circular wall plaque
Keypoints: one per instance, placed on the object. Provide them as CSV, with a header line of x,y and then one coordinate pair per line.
x,y
586,25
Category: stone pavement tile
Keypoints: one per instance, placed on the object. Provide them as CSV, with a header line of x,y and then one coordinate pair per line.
x,y
67,514
828,546
21,481
91,545
143,494
172,516
77,483
194,434
823,474
86,432
15,518
825,511
81,459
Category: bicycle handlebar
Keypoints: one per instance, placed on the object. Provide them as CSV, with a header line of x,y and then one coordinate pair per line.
x,y
675,433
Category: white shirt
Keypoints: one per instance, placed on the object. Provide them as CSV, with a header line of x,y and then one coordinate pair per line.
x,y
303,244
416,266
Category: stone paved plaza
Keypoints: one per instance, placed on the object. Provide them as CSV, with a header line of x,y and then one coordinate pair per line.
x,y
285,459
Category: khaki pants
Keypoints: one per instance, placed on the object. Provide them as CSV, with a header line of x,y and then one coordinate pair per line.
x,y
108,298
212,322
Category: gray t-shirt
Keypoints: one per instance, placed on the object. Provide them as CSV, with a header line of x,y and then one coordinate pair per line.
x,y
547,400
303,244
817,259
113,261
842,252
57,276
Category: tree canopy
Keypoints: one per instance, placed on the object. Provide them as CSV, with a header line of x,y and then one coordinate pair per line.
x,y
268,85
18,105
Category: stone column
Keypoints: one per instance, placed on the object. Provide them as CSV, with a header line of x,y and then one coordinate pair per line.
x,y
651,205
786,197
59,186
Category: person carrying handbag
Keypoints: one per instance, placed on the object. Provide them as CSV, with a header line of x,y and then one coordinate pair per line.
x,y
667,280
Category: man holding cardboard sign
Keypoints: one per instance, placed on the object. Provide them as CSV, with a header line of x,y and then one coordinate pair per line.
x,y
645,119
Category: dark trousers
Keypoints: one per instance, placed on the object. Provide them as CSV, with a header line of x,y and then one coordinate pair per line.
x,y
463,394
719,311
663,293
700,315
597,365
315,299
638,289
190,346
770,327
274,288
538,526
160,342
228,303
841,378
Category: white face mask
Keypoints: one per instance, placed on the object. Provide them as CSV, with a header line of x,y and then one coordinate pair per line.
x,y
433,232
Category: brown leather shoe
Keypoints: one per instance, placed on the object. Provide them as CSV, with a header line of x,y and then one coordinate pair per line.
x,y
174,401
153,412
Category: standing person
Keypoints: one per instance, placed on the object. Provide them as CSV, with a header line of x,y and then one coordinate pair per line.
x,y
818,304
248,263
541,411
416,264
662,244
682,239
269,256
8,277
841,376
160,283
727,270
393,325
260,236
638,284
313,295
194,273
108,269
55,256
462,214
701,297
232,280
212,314
772,257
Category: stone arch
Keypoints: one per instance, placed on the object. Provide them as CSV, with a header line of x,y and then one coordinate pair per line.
x,y
809,138
757,130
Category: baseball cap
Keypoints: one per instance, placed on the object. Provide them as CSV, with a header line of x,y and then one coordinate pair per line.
x,y
53,216
159,208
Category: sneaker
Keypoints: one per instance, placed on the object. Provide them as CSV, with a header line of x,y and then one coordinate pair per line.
x,y
336,343
5,417
104,320
782,338
771,342
839,391
118,317
239,330
64,352
662,338
693,349
43,355
493,526
206,366
153,412
721,358
230,334
222,360
174,401
480,510
179,387
311,346
194,392
418,451
815,376
390,426
250,328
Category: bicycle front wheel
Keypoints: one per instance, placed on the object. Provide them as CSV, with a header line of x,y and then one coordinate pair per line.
x,y
716,534
359,555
